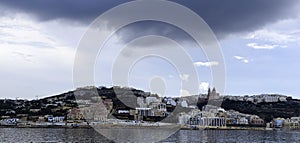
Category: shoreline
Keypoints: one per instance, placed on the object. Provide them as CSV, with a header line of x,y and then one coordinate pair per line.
x,y
230,128
46,126
182,128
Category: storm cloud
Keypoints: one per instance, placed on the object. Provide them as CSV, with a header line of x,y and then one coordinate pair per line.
x,y
224,17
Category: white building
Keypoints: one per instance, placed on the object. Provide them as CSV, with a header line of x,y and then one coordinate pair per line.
x,y
270,98
10,121
213,121
144,112
123,111
170,101
158,108
242,121
151,99
183,119
141,102
293,122
184,104
55,119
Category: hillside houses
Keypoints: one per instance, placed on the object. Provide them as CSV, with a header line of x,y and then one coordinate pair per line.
x,y
267,98
213,116
102,104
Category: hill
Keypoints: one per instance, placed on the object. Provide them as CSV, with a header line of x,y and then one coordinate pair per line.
x,y
58,105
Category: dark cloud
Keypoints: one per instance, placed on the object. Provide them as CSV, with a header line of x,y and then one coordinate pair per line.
x,y
137,29
79,10
243,15
224,17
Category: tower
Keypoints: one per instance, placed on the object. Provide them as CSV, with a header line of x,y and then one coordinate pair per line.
x,y
208,92
213,94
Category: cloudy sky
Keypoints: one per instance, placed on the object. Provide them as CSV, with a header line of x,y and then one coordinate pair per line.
x,y
259,40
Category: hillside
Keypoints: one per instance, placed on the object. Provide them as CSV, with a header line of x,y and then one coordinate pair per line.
x,y
267,111
58,105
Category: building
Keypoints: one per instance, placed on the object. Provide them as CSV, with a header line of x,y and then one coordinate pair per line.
x,y
170,101
144,112
213,94
184,118
9,121
242,121
201,118
231,121
270,98
196,112
278,122
83,102
293,122
158,108
123,111
213,121
57,119
184,103
108,103
256,121
75,114
141,102
194,121
151,99
95,112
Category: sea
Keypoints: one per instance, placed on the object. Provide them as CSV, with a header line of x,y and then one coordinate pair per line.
x,y
15,135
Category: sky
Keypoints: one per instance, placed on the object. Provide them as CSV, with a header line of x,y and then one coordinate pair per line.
x,y
259,41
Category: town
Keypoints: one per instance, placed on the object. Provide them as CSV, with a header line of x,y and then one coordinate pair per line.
x,y
88,106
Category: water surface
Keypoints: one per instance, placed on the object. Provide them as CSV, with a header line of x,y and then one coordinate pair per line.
x,y
90,135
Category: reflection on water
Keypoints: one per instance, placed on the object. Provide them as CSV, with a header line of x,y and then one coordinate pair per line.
x,y
89,135
138,135
50,135
234,136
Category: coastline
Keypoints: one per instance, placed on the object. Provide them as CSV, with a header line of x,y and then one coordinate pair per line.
x,y
182,128
226,128
45,126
